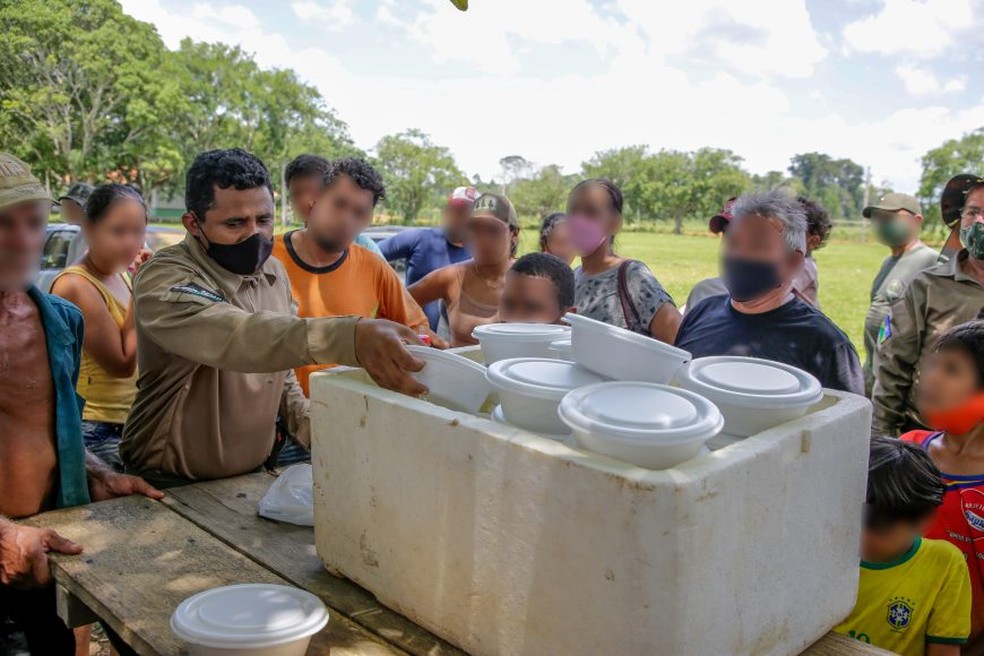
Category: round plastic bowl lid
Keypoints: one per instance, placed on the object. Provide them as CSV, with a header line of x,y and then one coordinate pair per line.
x,y
640,411
540,377
608,331
428,354
248,616
753,382
521,331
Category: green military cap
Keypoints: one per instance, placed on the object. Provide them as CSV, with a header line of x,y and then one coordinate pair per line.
x,y
495,206
892,203
17,184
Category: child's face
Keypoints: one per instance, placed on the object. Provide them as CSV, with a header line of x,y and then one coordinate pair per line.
x,y
529,299
342,210
886,543
949,381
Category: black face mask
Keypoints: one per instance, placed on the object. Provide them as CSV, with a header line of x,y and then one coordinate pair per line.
x,y
748,279
244,258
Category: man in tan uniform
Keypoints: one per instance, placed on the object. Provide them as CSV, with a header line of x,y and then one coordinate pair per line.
x,y
937,299
218,337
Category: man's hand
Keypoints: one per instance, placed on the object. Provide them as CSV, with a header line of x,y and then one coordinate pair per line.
x,y
379,347
111,485
105,483
24,554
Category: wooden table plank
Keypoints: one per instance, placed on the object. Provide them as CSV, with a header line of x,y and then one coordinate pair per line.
x,y
834,644
227,509
141,560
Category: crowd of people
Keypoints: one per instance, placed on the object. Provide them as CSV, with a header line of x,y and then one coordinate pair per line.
x,y
141,372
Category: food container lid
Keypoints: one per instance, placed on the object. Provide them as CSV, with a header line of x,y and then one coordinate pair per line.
x,y
522,332
254,615
562,347
641,411
447,358
751,382
615,332
544,378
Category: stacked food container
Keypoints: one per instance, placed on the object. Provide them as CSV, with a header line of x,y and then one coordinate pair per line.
x,y
614,392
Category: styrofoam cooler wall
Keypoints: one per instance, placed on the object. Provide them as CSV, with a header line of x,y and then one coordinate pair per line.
x,y
505,543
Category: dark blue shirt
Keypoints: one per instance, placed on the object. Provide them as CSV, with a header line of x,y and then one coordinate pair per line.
x,y
425,250
62,323
796,334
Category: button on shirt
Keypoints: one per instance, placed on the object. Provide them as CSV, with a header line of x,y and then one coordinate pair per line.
x,y
215,354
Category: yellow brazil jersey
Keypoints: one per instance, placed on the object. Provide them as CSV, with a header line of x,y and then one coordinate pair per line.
x,y
921,597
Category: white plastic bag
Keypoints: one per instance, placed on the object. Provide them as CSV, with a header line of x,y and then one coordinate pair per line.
x,y
290,498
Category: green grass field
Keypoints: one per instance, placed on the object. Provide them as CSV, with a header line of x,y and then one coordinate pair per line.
x,y
680,261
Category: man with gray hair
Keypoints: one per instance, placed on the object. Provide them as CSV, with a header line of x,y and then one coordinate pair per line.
x,y
760,316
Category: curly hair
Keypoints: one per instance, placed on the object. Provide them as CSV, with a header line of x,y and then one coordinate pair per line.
x,y
551,267
361,172
229,168
817,220
105,196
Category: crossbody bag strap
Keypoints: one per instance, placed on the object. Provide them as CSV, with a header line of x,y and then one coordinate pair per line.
x,y
629,310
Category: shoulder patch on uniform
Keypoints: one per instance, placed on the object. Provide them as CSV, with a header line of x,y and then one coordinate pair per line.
x,y
885,332
197,290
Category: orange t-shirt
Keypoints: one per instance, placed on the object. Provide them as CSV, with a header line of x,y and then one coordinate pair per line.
x,y
360,283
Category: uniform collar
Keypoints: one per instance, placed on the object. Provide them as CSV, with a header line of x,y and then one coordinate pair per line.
x,y
223,276
55,327
953,269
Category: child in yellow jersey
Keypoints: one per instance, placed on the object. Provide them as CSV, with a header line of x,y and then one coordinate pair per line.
x,y
914,593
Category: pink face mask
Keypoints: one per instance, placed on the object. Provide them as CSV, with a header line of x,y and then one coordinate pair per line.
x,y
586,235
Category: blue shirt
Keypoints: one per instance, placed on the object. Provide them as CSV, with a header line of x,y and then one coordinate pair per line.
x,y
368,244
63,329
796,334
425,250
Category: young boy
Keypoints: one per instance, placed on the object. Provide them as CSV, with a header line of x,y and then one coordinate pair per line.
x,y
914,594
951,399
303,179
329,274
539,289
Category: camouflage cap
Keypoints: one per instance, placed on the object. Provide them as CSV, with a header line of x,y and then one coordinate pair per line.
x,y
894,202
495,206
955,195
78,192
17,185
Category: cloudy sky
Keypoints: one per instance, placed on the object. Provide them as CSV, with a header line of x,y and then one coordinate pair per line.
x,y
879,81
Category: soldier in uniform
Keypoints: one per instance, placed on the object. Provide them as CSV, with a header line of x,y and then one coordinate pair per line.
x,y
218,337
937,299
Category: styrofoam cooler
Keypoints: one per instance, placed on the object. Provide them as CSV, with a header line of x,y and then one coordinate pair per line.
x,y
503,542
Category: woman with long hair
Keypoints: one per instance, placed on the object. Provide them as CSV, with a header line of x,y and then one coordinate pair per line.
x,y
99,284
471,290
609,287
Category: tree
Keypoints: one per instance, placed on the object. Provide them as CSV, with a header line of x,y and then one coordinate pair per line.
x,y
837,184
623,166
545,192
80,84
514,167
963,155
416,172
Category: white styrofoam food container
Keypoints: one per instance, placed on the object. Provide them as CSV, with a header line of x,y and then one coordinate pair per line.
x,y
506,543
621,354
501,341
256,619
530,390
451,379
752,394
645,424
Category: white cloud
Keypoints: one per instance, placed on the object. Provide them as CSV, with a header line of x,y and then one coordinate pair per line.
x,y
921,81
234,16
639,94
334,15
921,29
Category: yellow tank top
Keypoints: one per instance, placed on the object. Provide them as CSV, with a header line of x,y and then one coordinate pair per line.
x,y
107,398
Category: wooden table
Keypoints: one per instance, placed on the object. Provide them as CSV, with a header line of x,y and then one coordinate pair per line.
x,y
143,557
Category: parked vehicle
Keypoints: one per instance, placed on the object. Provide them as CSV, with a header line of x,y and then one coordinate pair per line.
x,y
64,245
